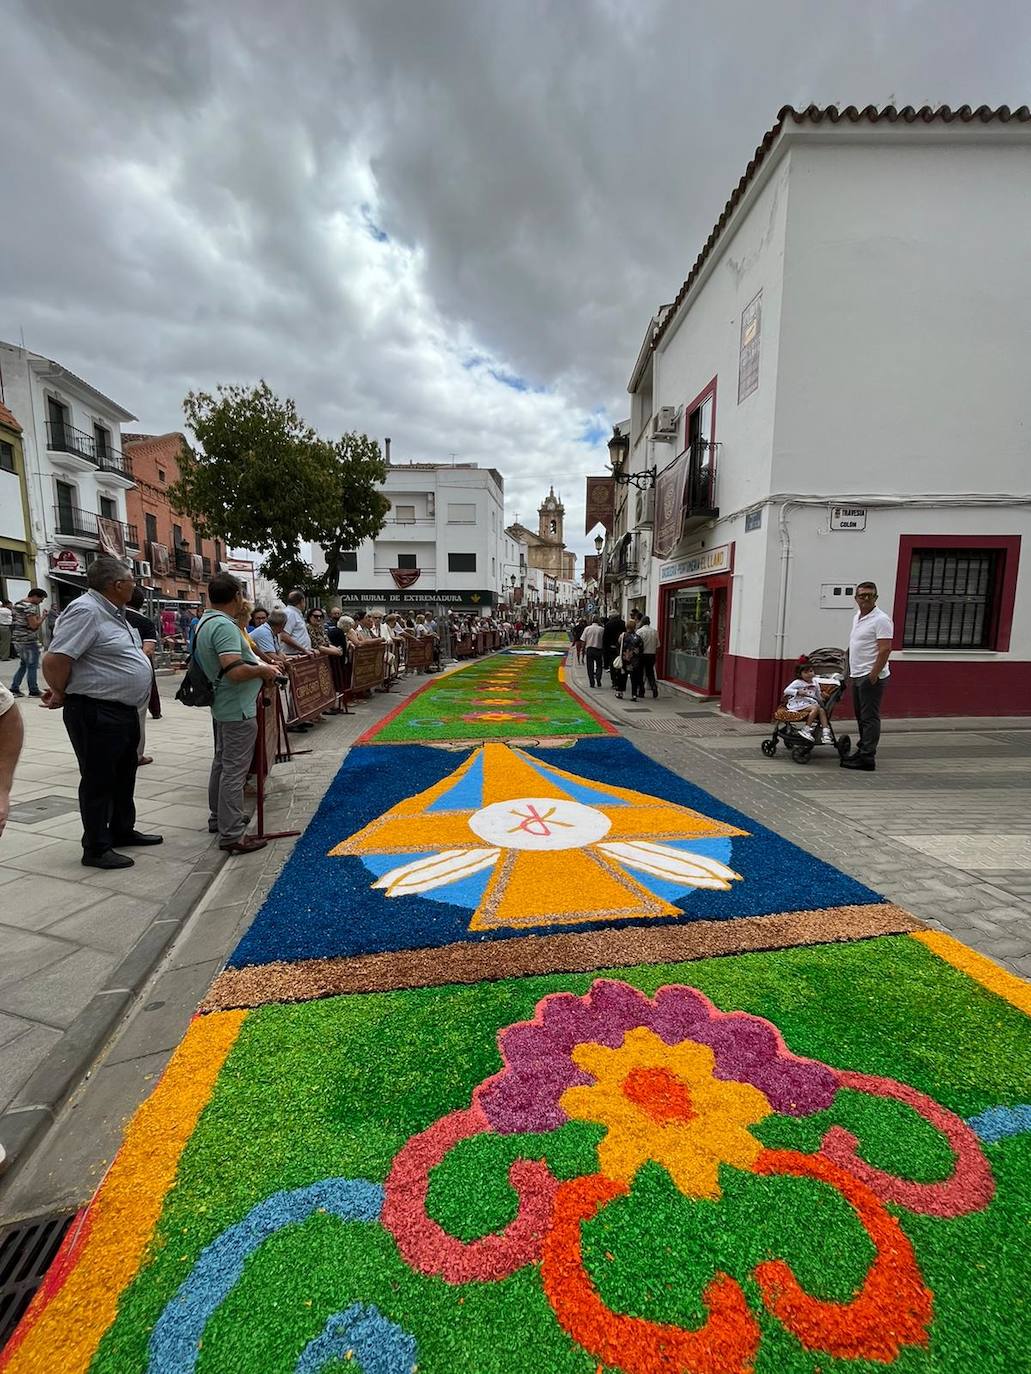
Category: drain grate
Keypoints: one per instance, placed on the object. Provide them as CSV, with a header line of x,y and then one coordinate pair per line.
x,y
26,1252
697,729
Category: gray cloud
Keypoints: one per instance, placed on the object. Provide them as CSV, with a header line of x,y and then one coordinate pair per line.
x,y
197,193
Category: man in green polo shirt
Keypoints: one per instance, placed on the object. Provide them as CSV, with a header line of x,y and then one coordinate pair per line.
x,y
236,676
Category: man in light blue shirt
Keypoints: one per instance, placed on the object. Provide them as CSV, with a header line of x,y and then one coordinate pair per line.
x,y
98,672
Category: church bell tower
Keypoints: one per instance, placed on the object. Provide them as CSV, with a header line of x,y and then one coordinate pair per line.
x,y
552,513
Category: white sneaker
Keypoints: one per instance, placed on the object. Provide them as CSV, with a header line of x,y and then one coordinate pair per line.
x,y
806,732
826,737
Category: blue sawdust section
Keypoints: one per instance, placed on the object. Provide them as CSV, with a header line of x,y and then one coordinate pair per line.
x,y
322,907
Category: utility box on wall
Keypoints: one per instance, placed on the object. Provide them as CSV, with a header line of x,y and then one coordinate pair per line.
x,y
837,596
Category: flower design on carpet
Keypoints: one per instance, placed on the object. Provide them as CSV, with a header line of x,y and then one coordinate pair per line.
x,y
661,1102
522,843
677,1082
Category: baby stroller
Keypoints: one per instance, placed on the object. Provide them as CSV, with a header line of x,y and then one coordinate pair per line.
x,y
829,666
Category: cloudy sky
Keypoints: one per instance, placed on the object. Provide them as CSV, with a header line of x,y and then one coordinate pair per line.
x,y
443,220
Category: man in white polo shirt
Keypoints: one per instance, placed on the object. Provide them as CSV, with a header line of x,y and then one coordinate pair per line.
x,y
869,648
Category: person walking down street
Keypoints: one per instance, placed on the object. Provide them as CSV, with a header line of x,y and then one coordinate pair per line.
x,y
148,634
578,638
50,624
236,676
6,620
614,627
12,734
26,619
649,637
869,648
592,639
632,657
96,670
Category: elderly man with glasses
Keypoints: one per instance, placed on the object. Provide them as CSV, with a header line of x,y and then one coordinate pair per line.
x,y
97,671
869,648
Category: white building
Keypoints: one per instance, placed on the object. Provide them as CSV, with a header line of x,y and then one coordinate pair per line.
x,y
75,471
839,392
442,544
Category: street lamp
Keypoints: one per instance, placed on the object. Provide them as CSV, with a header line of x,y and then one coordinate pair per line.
x,y
599,543
619,447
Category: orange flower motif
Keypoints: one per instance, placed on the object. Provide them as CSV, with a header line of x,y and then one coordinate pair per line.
x,y
661,1102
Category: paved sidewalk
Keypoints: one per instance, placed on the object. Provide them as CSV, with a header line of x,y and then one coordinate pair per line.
x,y
79,944
943,827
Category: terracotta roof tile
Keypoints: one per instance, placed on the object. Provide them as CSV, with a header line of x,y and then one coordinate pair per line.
x,y
8,420
831,114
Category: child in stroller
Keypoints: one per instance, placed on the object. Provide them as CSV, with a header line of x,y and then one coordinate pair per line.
x,y
822,674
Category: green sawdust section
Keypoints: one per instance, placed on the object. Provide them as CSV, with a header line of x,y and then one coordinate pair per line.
x,y
536,700
336,1087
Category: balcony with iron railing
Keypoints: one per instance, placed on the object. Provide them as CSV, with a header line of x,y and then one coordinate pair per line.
x,y
63,438
72,522
700,485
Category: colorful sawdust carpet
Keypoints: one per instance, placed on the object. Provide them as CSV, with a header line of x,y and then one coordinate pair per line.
x,y
809,1158
499,843
801,1160
512,695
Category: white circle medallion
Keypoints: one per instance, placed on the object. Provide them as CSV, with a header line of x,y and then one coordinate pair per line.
x,y
539,823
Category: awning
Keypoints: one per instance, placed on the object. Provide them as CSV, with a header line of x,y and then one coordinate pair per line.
x,y
77,580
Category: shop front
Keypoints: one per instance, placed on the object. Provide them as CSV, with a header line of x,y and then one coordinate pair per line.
x,y
694,617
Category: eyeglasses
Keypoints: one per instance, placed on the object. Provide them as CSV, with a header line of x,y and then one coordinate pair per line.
x,y
866,596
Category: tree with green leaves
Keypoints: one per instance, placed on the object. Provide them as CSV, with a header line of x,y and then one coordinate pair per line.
x,y
264,479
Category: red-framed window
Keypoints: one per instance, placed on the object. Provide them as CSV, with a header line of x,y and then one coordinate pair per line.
x,y
700,447
956,592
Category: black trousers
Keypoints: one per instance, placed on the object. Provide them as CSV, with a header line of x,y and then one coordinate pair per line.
x,y
105,736
594,666
648,666
866,701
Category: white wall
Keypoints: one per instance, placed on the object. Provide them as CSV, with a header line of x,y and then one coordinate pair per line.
x,y
906,334
705,343
821,555
12,518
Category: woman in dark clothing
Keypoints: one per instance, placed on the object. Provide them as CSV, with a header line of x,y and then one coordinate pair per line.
x,y
631,651
614,627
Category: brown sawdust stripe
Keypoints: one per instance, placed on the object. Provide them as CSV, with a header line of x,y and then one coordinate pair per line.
x,y
485,961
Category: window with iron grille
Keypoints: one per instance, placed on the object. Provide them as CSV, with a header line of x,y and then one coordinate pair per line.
x,y
952,599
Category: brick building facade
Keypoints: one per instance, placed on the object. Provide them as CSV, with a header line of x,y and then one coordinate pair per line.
x,y
181,561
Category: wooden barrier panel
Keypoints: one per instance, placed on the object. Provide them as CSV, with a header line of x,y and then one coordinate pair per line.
x,y
311,687
419,651
367,665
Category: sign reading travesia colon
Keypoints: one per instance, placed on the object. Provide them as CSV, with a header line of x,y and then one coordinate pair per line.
x,y
848,517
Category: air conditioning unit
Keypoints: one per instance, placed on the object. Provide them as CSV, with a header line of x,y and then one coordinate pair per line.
x,y
645,508
664,423
142,567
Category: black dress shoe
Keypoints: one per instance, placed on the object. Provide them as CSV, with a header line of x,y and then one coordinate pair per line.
x,y
109,859
862,762
134,837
